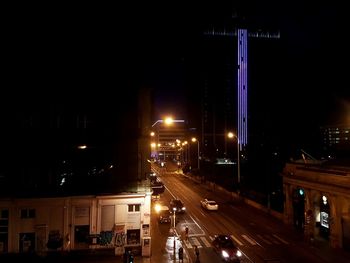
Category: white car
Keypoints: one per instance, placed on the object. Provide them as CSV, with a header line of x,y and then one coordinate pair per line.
x,y
209,204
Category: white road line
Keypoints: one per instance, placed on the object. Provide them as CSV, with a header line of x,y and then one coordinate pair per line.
x,y
196,242
264,239
237,240
195,221
205,241
250,240
272,240
188,244
280,239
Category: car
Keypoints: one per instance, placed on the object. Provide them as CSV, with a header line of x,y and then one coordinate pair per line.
x,y
177,205
163,212
209,204
226,248
157,187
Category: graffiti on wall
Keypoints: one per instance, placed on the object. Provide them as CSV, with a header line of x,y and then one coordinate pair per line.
x,y
115,237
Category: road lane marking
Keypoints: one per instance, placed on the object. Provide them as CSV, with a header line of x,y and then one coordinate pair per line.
x,y
188,244
264,239
272,240
196,242
250,240
280,239
205,241
237,240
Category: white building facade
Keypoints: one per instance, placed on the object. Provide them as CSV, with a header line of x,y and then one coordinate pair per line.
x,y
81,222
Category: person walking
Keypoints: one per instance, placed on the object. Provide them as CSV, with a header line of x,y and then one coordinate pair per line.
x,y
196,251
181,254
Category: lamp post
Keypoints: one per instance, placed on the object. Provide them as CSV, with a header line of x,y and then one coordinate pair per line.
x,y
174,226
198,161
167,121
231,135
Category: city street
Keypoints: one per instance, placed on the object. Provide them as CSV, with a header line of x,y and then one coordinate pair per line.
x,y
260,237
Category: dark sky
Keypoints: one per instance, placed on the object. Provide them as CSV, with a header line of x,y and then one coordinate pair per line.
x,y
90,50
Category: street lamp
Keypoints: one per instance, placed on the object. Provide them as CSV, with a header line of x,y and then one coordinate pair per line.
x,y
198,161
174,215
167,121
231,135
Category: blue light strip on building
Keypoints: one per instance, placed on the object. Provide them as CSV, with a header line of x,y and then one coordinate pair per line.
x,y
242,101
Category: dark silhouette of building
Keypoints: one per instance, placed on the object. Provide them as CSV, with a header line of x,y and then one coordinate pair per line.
x,y
85,144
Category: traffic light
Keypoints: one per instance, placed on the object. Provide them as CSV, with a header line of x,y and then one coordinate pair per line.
x,y
131,258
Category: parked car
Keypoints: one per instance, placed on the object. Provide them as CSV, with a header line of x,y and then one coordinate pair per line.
x,y
225,247
178,205
209,204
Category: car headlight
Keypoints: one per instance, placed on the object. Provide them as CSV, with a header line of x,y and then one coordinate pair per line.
x,y
184,208
157,208
225,254
238,253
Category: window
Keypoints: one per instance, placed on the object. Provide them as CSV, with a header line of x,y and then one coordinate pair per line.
x,y
134,208
27,213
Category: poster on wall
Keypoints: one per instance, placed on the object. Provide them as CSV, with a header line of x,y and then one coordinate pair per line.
x,y
145,229
324,219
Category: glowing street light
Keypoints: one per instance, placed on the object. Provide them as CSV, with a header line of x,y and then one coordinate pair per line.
x,y
198,161
231,135
167,121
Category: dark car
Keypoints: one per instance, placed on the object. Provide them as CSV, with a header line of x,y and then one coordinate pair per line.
x,y
177,205
225,247
163,214
157,186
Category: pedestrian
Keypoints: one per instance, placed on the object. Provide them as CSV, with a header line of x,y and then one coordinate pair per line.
x,y
181,254
196,250
186,232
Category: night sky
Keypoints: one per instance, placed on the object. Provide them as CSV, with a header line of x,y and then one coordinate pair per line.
x,y
83,54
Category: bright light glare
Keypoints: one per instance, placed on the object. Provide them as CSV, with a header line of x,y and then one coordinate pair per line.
x,y
230,135
239,253
168,120
157,208
225,254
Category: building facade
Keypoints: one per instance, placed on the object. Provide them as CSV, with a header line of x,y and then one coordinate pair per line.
x,y
317,201
78,222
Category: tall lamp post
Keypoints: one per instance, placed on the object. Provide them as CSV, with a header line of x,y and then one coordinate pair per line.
x,y
167,121
198,161
174,226
231,135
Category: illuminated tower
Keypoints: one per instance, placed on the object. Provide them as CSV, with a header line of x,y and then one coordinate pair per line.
x,y
242,35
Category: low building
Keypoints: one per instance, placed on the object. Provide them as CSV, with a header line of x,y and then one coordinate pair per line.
x,y
317,200
119,221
